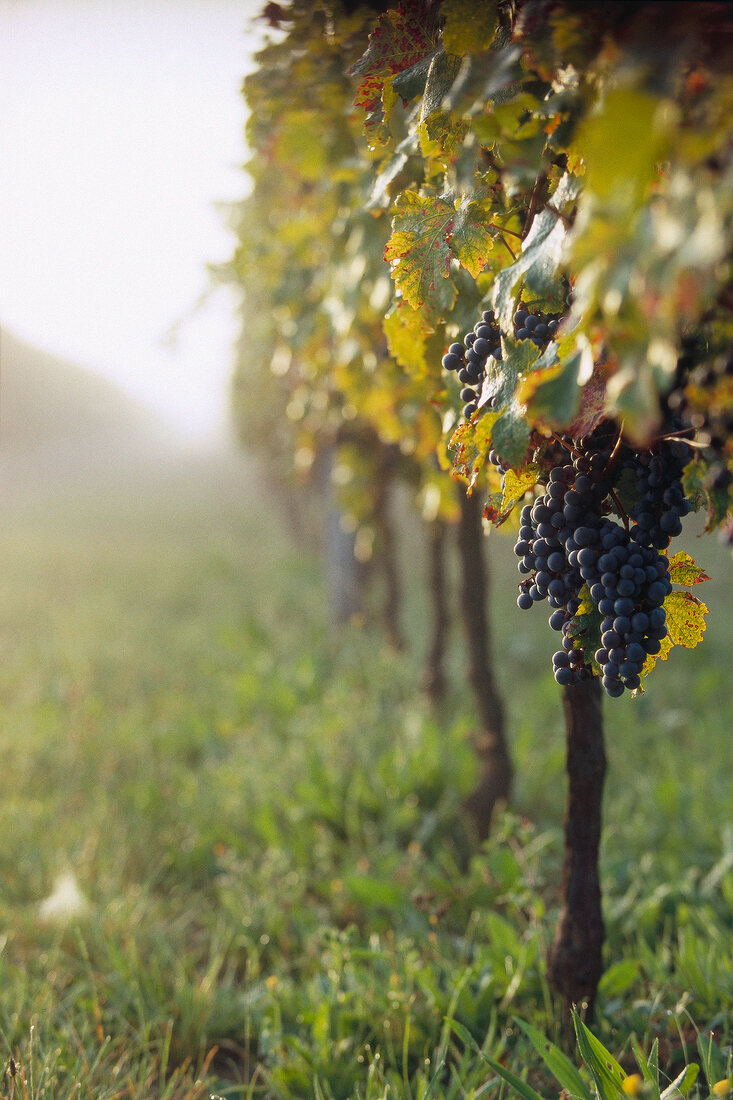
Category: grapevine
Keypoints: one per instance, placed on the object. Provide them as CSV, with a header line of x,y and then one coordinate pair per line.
x,y
512,261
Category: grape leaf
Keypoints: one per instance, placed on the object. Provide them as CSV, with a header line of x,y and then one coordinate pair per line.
x,y
399,40
470,25
717,501
402,168
622,145
443,71
510,435
420,255
552,394
407,337
473,236
684,570
685,624
515,484
585,626
471,442
540,256
592,406
411,82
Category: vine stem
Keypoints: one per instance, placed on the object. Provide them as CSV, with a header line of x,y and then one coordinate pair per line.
x,y
509,250
622,510
534,199
503,229
568,446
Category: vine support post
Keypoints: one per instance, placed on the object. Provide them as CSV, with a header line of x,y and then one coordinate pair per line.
x,y
575,959
496,775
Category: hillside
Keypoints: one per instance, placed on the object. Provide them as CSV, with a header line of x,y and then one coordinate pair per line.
x,y
62,421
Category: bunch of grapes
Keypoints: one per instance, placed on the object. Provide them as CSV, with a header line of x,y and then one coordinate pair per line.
x,y
471,358
701,403
594,569
570,548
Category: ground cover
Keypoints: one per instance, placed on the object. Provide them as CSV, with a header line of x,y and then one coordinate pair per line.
x,y
277,893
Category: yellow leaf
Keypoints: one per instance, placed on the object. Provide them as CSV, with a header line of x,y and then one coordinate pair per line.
x,y
684,570
685,625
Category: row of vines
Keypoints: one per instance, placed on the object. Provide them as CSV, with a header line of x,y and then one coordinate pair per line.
x,y
488,244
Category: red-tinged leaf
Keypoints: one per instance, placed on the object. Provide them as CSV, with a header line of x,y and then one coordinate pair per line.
x,y
420,255
471,442
592,408
399,40
472,237
684,570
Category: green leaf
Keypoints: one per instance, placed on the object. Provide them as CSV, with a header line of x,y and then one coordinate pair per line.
x,y
618,979
442,72
622,144
649,1066
606,1071
684,570
411,82
717,501
585,626
401,169
682,1083
419,253
552,395
541,252
557,1062
713,1060
470,25
473,236
521,1087
368,890
511,431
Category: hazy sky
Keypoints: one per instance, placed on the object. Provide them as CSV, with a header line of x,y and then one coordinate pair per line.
x,y
121,127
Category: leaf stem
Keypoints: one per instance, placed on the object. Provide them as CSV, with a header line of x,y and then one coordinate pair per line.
x,y
509,250
539,183
568,446
503,229
621,509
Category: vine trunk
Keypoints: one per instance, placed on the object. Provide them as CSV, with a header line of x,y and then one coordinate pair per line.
x,y
491,747
575,961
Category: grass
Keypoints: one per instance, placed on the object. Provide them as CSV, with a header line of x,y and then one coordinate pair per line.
x,y
278,894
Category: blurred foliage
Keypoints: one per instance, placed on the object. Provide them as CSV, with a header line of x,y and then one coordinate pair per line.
x,y
520,149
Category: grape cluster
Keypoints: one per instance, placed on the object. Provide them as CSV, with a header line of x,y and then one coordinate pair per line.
x,y
471,358
662,504
701,402
568,543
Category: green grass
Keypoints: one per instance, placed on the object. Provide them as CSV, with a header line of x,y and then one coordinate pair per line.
x,y
281,896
